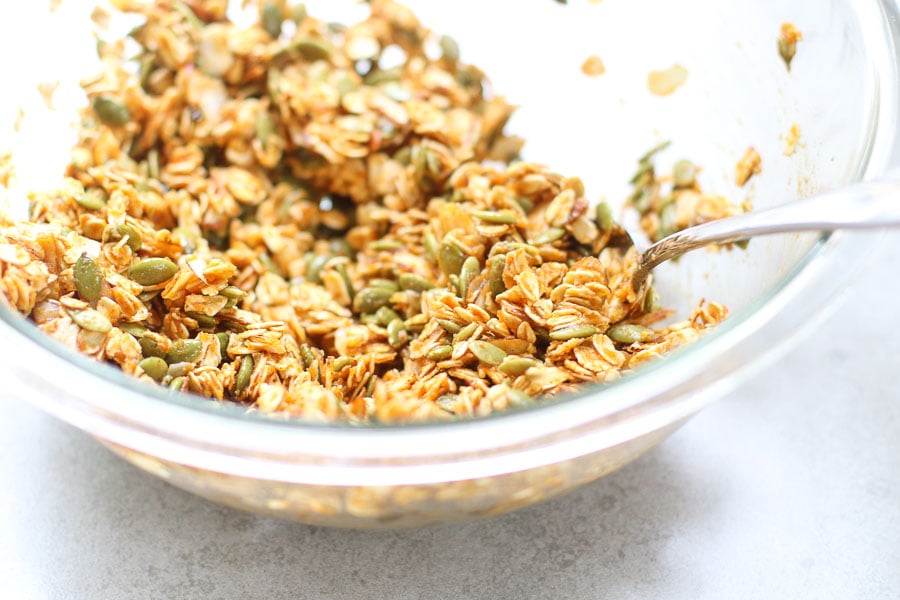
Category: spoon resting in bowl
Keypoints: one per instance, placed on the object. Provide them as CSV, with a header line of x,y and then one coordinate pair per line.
x,y
867,205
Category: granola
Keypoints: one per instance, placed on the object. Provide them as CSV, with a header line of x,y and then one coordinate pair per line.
x,y
265,215
675,201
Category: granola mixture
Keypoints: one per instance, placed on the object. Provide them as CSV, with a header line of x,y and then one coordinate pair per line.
x,y
675,201
265,215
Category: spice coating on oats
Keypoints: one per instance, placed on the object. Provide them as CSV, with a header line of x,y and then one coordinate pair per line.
x,y
266,215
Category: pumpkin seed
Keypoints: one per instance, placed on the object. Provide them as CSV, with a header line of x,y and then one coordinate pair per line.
x,y
184,351
411,281
385,315
203,321
224,337
396,333
385,284
245,372
526,204
519,398
449,326
651,301
315,266
88,278
132,237
495,275
370,299
133,329
91,320
385,245
271,19
450,258
341,270
430,245
155,367
470,269
549,236
341,363
684,173
152,271
572,332
439,353
466,332
604,216
449,48
517,365
150,347
308,356
111,111
628,333
310,49
487,352
92,199
177,384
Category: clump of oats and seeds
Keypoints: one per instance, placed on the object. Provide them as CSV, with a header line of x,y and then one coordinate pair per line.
x,y
265,215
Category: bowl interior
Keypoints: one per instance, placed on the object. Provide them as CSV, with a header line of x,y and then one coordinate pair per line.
x,y
738,94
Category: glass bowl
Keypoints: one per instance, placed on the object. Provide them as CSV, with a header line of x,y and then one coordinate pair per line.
x,y
841,91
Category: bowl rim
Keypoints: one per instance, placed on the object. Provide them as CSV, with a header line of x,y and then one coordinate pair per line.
x,y
212,436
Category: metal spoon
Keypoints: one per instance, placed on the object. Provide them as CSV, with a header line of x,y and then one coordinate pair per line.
x,y
867,205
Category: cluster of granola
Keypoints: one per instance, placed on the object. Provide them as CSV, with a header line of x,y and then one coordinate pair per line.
x,y
273,215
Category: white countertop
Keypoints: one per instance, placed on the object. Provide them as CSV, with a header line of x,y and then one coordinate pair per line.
x,y
790,488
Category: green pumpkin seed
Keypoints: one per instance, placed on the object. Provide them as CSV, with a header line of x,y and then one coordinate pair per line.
x,y
315,266
133,329
92,199
203,321
298,13
111,111
132,237
470,269
223,337
449,326
654,151
572,332
604,216
264,126
370,299
449,48
411,281
149,347
385,315
517,365
487,352
311,49
396,333
385,284
177,384
439,353
466,332
548,236
270,265
628,333
341,363
651,301
152,271
233,293
684,173
155,367
88,278
245,372
271,19
91,320
526,204
491,216
308,356
184,351
495,275
450,258
341,270
341,247
431,246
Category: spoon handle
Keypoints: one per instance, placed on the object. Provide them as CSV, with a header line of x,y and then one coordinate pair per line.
x,y
867,205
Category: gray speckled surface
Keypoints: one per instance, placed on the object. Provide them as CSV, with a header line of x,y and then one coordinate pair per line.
x,y
790,488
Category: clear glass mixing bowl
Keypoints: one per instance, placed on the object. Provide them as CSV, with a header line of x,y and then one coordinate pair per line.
x,y
841,91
